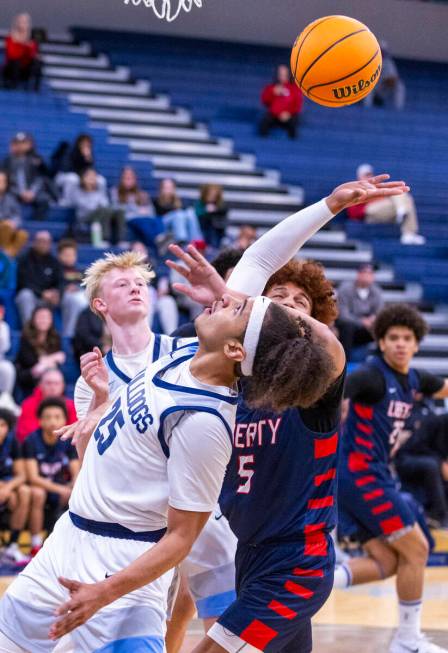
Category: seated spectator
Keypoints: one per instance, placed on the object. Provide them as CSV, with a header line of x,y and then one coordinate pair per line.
x,y
167,199
92,207
390,88
51,384
247,235
7,369
39,349
52,467
283,101
212,213
14,493
9,206
130,198
39,276
422,462
22,64
28,175
81,156
399,209
89,333
359,302
73,297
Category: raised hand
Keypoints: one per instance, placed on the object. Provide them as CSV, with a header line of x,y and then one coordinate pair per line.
x,y
94,373
204,284
358,192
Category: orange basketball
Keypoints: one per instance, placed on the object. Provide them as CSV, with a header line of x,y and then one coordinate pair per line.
x,y
336,61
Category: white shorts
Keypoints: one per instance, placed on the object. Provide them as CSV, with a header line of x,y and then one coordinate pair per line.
x,y
210,568
136,620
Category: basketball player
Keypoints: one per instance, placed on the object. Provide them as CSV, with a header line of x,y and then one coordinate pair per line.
x,y
381,396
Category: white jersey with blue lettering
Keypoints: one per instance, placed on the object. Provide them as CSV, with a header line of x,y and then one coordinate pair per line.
x,y
166,440
123,367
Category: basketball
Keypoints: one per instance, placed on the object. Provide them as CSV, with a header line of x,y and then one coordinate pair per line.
x,y
336,61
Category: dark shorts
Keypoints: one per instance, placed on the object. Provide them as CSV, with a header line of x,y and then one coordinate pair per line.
x,y
372,507
280,587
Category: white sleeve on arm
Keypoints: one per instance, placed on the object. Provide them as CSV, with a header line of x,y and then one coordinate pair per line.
x,y
276,247
83,397
200,451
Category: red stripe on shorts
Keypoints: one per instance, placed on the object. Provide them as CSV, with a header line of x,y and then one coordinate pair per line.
x,y
326,447
358,461
315,540
258,634
383,507
364,412
365,428
391,525
282,610
365,480
374,494
363,442
298,590
322,478
310,573
317,504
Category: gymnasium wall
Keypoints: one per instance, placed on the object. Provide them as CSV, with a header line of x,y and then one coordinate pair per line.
x,y
413,28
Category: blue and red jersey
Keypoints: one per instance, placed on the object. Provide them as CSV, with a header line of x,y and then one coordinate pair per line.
x,y
280,484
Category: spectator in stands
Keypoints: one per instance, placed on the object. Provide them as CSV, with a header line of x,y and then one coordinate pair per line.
x,y
422,462
182,224
93,207
14,493
359,302
81,156
9,206
89,333
51,384
283,101
52,467
400,210
28,175
247,235
129,197
39,350
73,297
39,276
390,88
22,64
7,369
167,199
212,213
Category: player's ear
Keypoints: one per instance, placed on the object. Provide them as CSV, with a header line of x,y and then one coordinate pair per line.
x,y
234,350
99,305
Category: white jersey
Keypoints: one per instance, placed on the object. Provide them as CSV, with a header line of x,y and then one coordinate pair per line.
x,y
166,440
123,368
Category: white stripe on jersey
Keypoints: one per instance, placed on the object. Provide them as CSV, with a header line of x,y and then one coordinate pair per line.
x,y
126,477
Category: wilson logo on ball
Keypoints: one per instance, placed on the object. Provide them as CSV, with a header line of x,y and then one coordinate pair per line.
x,y
360,87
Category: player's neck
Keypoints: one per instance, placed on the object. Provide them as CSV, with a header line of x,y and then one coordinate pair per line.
x,y
130,339
401,369
210,368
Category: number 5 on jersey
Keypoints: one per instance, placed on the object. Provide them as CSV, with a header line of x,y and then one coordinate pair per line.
x,y
245,472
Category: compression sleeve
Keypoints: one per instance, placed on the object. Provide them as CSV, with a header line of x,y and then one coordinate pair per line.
x,y
276,247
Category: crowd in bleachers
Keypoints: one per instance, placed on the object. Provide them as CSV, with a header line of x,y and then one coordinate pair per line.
x,y
41,294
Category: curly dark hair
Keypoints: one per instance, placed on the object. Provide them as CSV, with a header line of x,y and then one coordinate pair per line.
x,y
52,402
227,259
309,276
399,315
291,367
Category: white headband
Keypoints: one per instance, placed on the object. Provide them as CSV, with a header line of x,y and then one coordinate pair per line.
x,y
252,336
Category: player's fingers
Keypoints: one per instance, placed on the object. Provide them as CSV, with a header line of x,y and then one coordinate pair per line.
x,y
88,367
184,289
178,268
180,253
71,585
98,352
88,358
196,254
379,178
391,184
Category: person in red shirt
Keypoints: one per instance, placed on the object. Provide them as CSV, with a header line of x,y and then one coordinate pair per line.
x,y
283,100
22,62
51,385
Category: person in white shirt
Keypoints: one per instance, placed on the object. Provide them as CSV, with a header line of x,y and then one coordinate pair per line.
x,y
158,457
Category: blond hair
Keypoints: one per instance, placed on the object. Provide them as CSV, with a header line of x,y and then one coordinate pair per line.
x,y
95,273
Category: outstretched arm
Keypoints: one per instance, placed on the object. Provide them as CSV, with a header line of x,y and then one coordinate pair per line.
x,y
277,246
